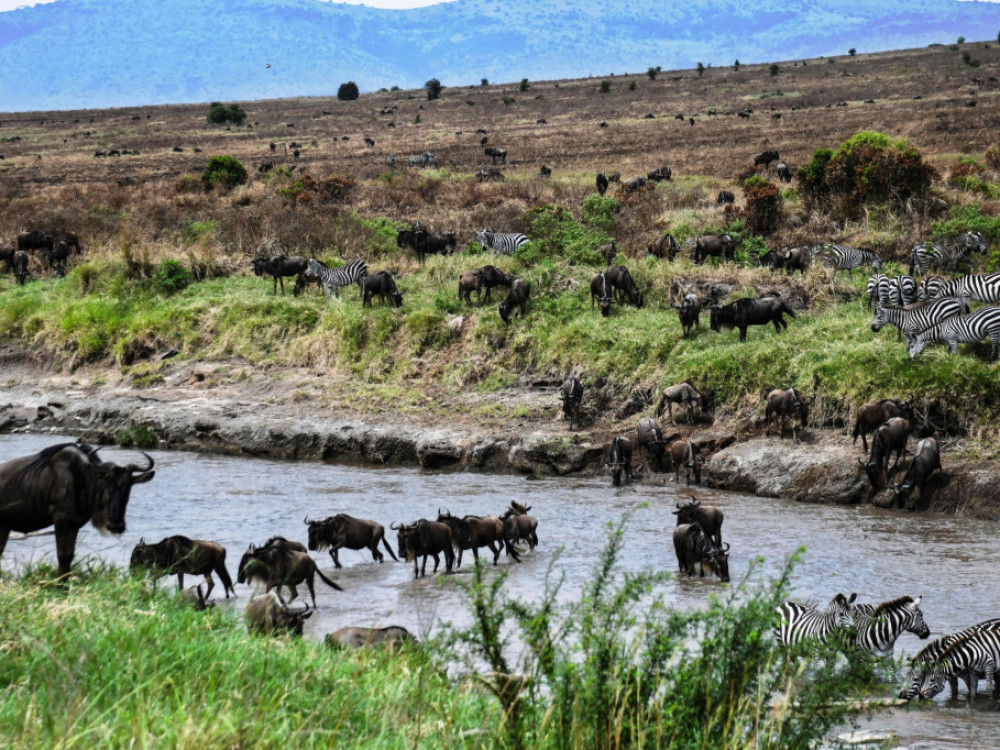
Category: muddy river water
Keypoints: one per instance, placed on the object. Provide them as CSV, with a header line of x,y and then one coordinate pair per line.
x,y
879,554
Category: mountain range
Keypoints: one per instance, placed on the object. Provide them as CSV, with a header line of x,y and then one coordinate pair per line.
x,y
74,54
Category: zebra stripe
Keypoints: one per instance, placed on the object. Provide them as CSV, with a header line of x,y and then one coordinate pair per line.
x,y
912,322
803,622
975,653
930,287
923,663
902,291
979,287
879,627
949,254
500,243
878,290
962,329
353,272
844,258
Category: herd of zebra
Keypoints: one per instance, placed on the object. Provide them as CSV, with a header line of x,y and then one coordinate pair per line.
x,y
869,629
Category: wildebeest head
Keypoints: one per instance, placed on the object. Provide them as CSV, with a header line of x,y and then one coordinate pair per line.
x,y
118,482
718,562
143,555
403,533
320,532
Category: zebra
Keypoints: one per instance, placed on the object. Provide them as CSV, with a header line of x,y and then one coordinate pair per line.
x,y
802,622
902,290
390,161
961,329
975,652
878,290
930,287
979,287
352,272
880,626
842,257
923,663
426,159
928,254
500,243
917,320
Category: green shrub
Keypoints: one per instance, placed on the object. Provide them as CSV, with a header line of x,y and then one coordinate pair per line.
x,y
555,232
599,212
632,85
524,85
223,172
171,277
348,92
701,69
652,73
605,86
993,158
194,231
136,435
773,70
434,88
220,114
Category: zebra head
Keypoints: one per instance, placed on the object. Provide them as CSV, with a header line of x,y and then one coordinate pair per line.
x,y
915,346
842,610
880,319
915,619
483,236
973,242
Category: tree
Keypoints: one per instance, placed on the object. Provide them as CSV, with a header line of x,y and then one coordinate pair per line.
x,y
224,172
736,65
484,82
220,114
852,52
605,86
961,40
701,70
773,69
433,87
524,85
348,92
652,73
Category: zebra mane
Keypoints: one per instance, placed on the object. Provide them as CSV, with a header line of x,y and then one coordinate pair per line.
x,y
933,646
892,604
960,640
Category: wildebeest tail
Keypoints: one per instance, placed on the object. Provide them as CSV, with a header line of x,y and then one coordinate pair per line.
x,y
388,547
512,549
327,581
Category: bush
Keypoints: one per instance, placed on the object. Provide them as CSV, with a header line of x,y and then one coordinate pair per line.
x,y
852,52
484,82
554,232
773,70
524,85
701,69
224,172
605,86
219,114
348,92
599,212
763,205
993,158
434,88
307,189
632,85
652,73
171,277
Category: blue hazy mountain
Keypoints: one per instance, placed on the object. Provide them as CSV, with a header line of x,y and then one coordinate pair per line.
x,y
104,53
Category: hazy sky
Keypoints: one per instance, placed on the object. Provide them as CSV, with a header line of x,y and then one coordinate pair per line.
x,y
11,4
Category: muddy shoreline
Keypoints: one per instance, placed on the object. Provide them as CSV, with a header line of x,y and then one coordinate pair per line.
x,y
238,418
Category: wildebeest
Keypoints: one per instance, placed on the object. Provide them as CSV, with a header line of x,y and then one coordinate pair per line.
x,y
926,459
869,416
195,597
624,286
786,405
765,158
784,172
276,565
797,259
750,312
651,438
715,245
66,485
620,460
544,171
57,256
684,453
889,437
390,637
7,256
725,196
21,272
571,394
422,539
517,298
383,285
468,283
428,243
490,278
347,532
518,525
268,615
689,313
473,532
179,555
411,238
602,183
496,153
686,394
490,174
693,547
279,266
35,240
708,516
664,247
636,183
601,291
659,174
608,251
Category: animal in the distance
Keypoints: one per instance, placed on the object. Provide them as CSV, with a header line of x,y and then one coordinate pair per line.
x,y
786,405
496,153
889,437
276,565
750,312
179,555
845,258
571,394
33,240
391,637
473,532
66,485
651,439
601,292
664,247
424,539
602,183
688,313
765,158
708,516
347,532
686,395
693,547
427,243
684,453
501,243
926,460
267,614
800,623
785,173
871,415
659,174
620,460
352,272
278,267
490,278
879,626
21,272
516,299
715,245
383,285
608,251
624,286
519,525
725,196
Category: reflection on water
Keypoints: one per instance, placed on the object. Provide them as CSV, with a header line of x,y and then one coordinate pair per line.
x,y
879,554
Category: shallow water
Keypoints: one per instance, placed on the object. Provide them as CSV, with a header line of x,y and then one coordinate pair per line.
x,y
879,554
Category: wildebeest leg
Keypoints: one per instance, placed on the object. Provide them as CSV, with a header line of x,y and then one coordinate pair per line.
x,y
376,555
312,592
180,581
335,556
4,535
460,550
437,561
65,548
743,333
295,593
533,541
209,585
475,554
496,552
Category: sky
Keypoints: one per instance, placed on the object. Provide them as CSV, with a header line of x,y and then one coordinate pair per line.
x,y
11,4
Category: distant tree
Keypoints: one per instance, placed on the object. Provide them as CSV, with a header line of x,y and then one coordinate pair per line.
x,y
348,92
484,82
966,57
524,85
632,85
701,70
433,87
736,65
219,114
605,86
852,52
773,70
652,73
961,40
394,88
223,172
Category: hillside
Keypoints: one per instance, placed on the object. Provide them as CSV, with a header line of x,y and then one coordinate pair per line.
x,y
113,53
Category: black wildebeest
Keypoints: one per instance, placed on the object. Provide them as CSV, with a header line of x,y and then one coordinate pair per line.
x,y
786,405
277,565
496,153
797,259
686,394
473,532
659,174
725,196
35,240
689,313
7,256
784,172
716,245
601,291
869,416
383,285
651,438
623,285
21,272
179,555
490,278
602,183
490,174
684,453
347,532
428,243
268,615
750,312
608,251
889,437
66,485
279,266
518,525
57,256
620,460
545,171
765,158
693,547
664,247
517,298
775,259
571,394
423,539
708,516
926,459
390,637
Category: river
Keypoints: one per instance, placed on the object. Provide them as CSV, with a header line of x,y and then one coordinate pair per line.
x,y
880,554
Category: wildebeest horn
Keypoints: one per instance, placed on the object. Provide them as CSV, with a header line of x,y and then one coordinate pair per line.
x,y
393,526
725,548
862,463
305,520
137,470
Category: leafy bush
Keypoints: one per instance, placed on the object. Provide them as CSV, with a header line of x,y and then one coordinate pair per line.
x,y
307,189
632,85
220,114
652,73
554,232
773,70
605,86
194,231
348,92
599,212
763,205
223,172
136,435
171,277
433,87
524,85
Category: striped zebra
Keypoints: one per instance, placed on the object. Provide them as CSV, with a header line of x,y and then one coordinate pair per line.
x,y
968,656
979,287
802,622
961,329
918,319
844,258
352,272
924,662
930,287
902,290
878,290
880,626
948,255
500,243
